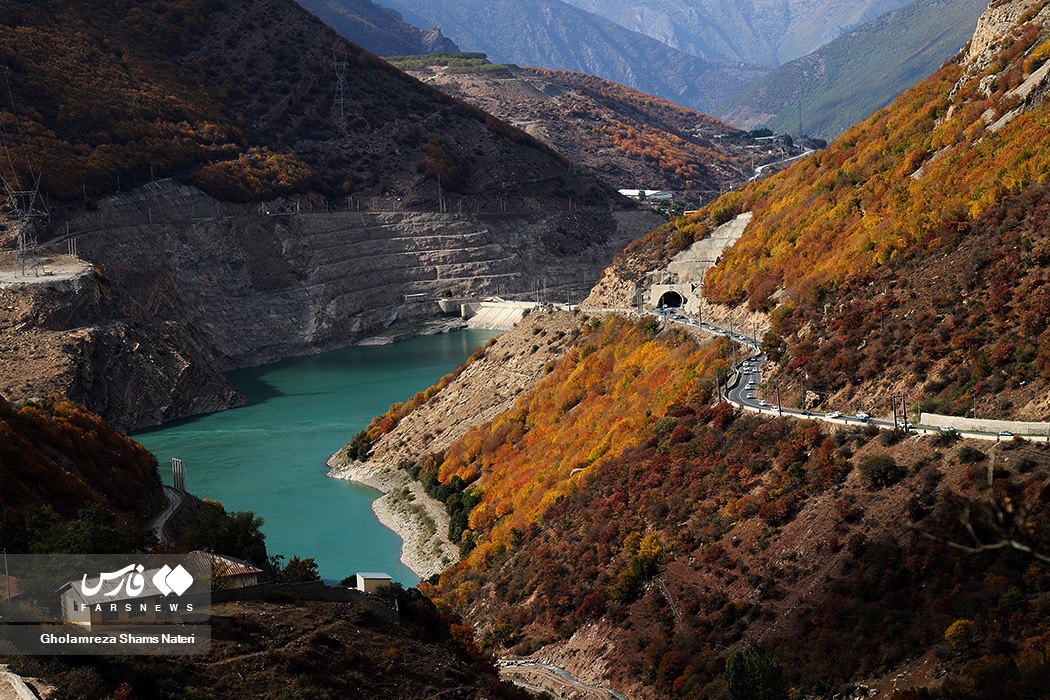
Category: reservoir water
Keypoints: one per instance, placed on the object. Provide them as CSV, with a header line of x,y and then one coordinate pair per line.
x,y
269,457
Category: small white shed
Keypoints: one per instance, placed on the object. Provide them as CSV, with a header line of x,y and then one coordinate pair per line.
x,y
370,581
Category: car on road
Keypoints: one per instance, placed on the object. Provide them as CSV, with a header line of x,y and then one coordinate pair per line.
x,y
946,429
834,414
864,417
1005,433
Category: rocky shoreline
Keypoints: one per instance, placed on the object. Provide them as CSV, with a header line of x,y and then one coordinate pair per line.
x,y
419,520
486,388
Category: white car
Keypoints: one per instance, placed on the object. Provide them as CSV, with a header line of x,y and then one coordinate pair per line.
x,y
863,417
1005,433
834,414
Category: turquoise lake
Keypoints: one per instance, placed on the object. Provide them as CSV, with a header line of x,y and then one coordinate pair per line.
x,y
269,457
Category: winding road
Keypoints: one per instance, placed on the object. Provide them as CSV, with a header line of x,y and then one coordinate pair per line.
x,y
747,379
160,523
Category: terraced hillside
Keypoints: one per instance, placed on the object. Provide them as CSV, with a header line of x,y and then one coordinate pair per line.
x,y
222,246
257,287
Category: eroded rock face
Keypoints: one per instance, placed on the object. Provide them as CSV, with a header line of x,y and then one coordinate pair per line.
x,y
993,25
107,351
265,283
195,287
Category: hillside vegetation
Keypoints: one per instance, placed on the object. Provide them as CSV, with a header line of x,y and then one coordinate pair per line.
x,y
910,252
69,482
626,138
237,96
619,523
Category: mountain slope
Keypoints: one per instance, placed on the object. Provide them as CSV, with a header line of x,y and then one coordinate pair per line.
x,y
908,256
369,218
61,464
376,28
764,31
553,34
237,97
825,92
626,138
616,522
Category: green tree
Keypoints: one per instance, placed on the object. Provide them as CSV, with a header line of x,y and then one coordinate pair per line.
x,y
300,571
754,675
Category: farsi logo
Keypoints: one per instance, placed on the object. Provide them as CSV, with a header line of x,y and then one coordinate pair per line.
x,y
131,581
168,580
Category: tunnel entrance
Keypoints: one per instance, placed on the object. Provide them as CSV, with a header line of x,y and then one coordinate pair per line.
x,y
671,300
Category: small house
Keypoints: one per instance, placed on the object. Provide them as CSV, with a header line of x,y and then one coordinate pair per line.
x,y
224,572
371,582
103,609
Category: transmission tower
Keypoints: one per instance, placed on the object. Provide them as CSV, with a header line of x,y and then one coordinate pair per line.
x,y
21,203
22,207
340,88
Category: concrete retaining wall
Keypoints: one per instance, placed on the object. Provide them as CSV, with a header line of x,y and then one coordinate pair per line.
x,y
499,316
988,426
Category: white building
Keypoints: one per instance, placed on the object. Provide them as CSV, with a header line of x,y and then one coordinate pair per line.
x,y
370,582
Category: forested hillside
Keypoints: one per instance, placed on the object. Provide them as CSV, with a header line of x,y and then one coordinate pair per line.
x,y
626,138
238,97
909,255
71,483
619,524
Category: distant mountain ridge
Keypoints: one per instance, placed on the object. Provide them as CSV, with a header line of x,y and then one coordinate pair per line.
x,y
553,34
761,31
846,80
624,137
378,29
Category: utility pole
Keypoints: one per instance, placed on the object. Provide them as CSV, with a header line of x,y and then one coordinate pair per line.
x,y
7,576
780,410
893,408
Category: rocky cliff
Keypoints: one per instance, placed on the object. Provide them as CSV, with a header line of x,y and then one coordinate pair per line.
x,y
187,287
114,341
